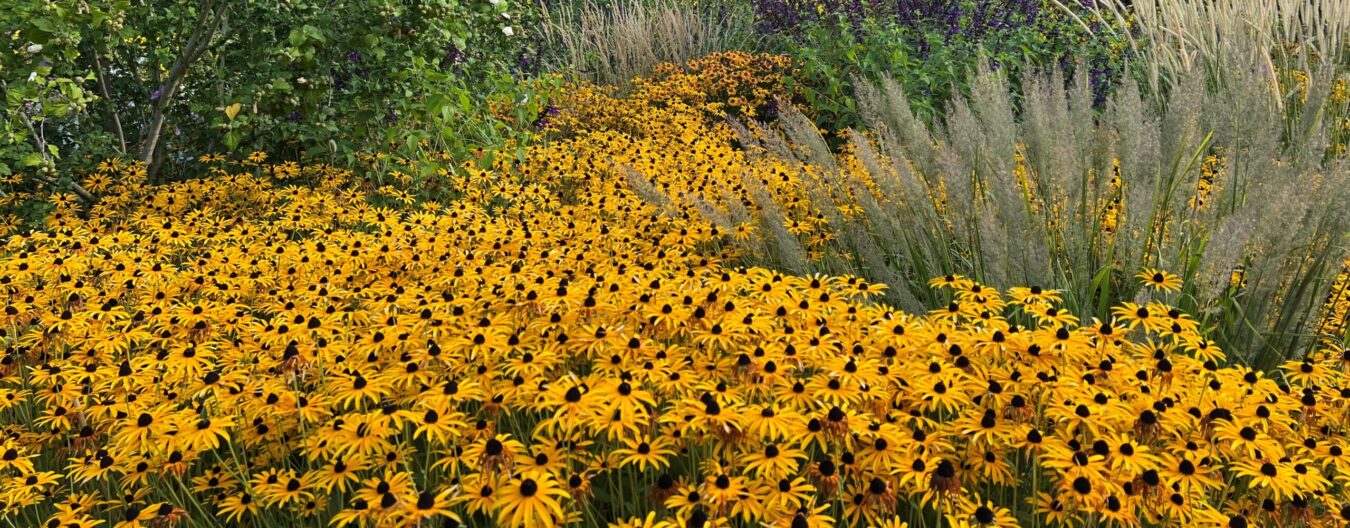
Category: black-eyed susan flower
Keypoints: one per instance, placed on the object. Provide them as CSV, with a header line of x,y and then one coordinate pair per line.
x,y
530,501
1160,280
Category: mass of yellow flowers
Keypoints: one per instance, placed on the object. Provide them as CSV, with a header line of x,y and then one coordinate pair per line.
x,y
569,342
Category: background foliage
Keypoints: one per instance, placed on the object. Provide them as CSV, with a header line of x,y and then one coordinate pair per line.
x,y
355,267
929,46
294,78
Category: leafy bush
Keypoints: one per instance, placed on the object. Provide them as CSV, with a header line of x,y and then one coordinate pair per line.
x,y
165,81
927,47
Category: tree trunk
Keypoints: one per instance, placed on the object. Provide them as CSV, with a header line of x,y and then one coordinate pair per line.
x,y
116,116
208,20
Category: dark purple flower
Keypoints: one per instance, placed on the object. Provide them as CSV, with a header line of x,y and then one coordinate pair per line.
x,y
770,110
154,96
525,64
453,57
782,15
354,56
339,78
545,117
294,116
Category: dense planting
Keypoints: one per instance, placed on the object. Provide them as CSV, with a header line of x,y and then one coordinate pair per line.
x,y
673,264
262,346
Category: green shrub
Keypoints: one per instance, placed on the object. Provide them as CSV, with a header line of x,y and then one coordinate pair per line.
x,y
928,54
166,81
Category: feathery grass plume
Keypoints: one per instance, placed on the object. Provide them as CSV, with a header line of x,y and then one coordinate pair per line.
x,y
904,219
899,185
786,251
1222,256
648,192
982,227
758,138
614,42
1186,142
1058,193
1284,203
1177,36
1138,150
712,213
829,188
869,232
1003,183
783,249
886,111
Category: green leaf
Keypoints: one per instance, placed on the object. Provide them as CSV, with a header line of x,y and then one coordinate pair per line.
x,y
231,140
313,33
31,159
296,37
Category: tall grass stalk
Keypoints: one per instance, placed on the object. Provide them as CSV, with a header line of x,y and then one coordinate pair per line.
x,y
613,42
1172,37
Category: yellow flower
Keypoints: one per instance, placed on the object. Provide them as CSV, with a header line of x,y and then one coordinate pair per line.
x,y
1160,280
533,500
644,452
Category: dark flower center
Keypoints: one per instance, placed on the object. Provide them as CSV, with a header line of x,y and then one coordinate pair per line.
x,y
528,488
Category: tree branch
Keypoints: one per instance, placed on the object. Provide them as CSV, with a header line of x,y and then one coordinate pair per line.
x,y
41,144
116,116
80,191
208,22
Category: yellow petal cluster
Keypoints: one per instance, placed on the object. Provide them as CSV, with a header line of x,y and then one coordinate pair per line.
x,y
568,342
